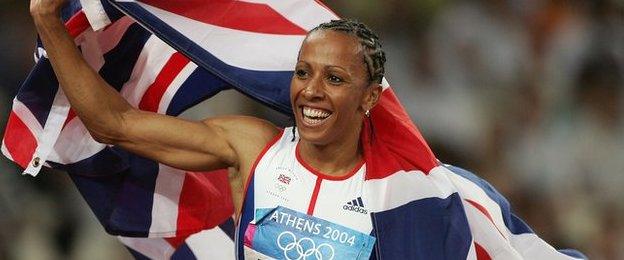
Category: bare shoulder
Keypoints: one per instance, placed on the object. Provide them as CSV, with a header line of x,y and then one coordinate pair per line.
x,y
246,135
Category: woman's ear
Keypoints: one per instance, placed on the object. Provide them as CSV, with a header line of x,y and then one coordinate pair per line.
x,y
371,97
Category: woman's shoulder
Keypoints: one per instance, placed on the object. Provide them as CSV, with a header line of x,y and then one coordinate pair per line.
x,y
246,135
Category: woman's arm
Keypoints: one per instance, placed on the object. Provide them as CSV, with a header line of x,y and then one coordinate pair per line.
x,y
110,119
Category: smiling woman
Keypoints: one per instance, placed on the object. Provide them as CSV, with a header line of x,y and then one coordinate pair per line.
x,y
309,190
330,94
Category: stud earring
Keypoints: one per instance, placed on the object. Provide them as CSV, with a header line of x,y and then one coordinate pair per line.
x,y
367,113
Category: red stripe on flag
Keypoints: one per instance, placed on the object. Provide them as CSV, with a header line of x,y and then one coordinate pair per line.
x,y
239,15
481,253
153,95
205,201
70,116
393,143
19,141
485,212
77,24
176,241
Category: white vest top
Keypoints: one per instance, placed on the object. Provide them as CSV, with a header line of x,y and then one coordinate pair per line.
x,y
282,178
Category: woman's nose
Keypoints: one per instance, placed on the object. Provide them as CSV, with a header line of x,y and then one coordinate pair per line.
x,y
313,90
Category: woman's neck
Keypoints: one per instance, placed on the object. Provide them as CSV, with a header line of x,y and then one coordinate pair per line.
x,y
334,159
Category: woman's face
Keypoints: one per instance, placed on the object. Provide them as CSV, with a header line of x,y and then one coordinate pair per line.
x,y
330,89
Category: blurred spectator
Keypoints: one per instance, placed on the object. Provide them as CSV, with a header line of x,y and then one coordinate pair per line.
x,y
480,52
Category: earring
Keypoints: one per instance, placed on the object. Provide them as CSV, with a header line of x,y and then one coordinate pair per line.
x,y
367,113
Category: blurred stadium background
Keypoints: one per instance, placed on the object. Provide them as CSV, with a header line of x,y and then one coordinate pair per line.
x,y
526,93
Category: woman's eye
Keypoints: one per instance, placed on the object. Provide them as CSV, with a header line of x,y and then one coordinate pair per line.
x,y
335,79
301,73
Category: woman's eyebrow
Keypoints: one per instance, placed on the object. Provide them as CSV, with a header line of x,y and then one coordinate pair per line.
x,y
302,63
337,67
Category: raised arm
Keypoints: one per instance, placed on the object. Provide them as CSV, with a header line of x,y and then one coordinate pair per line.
x,y
211,144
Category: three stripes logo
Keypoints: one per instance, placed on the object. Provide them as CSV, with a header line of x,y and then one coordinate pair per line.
x,y
355,205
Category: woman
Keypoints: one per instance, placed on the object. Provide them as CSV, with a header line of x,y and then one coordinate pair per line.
x,y
308,194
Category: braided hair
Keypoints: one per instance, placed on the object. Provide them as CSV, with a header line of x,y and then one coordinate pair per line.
x,y
374,56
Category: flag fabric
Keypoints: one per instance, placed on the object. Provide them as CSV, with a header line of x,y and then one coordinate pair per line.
x,y
249,46
131,196
213,243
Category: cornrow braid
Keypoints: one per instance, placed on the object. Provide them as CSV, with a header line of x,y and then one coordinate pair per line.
x,y
374,56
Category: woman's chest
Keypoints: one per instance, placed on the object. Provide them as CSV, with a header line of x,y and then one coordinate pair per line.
x,y
300,214
338,201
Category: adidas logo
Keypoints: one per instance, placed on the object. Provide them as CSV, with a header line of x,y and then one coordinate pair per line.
x,y
355,205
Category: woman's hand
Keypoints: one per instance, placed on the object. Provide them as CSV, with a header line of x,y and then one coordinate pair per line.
x,y
43,9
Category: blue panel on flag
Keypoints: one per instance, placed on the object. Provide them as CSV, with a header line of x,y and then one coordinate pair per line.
x,y
122,199
183,253
199,86
424,229
120,61
99,193
113,13
38,91
228,227
133,213
72,8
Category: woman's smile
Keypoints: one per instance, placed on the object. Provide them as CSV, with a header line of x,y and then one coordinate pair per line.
x,y
314,116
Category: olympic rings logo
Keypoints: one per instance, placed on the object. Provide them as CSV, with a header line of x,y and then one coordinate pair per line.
x,y
303,248
280,187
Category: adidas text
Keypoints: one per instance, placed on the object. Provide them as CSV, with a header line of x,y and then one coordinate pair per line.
x,y
355,208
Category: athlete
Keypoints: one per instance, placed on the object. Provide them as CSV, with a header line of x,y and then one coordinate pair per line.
x,y
306,187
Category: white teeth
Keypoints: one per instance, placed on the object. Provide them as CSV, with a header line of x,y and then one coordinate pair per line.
x,y
315,113
314,116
